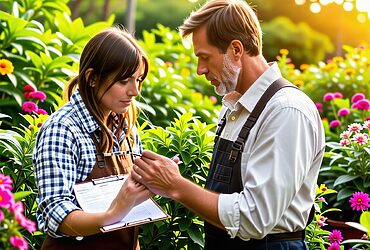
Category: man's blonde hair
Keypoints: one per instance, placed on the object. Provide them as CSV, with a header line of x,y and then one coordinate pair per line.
x,y
226,20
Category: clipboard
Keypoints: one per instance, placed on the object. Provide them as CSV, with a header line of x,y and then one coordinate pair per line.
x,y
96,196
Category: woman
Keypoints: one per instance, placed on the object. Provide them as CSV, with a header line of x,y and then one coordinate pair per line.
x,y
99,118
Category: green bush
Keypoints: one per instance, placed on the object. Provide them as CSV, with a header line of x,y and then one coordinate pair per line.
x,y
306,45
193,141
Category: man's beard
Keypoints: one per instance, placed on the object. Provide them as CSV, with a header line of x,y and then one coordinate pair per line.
x,y
229,77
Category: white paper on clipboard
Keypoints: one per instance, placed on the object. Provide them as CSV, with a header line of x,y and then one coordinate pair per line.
x,y
97,195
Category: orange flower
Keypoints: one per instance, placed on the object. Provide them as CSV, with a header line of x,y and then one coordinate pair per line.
x,y
6,67
284,51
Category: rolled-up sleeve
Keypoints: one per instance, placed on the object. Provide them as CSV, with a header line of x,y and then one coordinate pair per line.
x,y
55,159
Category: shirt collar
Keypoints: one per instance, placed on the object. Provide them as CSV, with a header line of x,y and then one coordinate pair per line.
x,y
249,99
87,120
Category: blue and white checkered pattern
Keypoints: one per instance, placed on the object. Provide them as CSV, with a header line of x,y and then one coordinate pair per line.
x,y
64,154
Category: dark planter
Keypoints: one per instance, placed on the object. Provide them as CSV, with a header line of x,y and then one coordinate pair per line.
x,y
348,232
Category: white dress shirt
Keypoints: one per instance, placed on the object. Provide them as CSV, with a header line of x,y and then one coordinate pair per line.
x,y
279,164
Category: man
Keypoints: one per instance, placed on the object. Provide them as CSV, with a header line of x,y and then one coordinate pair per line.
x,y
263,174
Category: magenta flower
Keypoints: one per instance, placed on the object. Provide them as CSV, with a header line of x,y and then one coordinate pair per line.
x,y
28,88
363,104
334,246
359,201
6,198
328,97
19,242
2,216
343,112
364,237
39,95
338,95
334,123
335,236
319,106
29,107
356,97
41,112
5,182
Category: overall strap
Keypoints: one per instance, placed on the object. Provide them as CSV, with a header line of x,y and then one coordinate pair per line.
x,y
238,145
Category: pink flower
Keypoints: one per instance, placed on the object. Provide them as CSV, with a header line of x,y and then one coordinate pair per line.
x,y
360,139
367,124
213,99
322,199
364,237
328,97
6,182
355,127
343,112
334,246
356,97
363,104
19,242
344,142
29,107
28,88
2,216
338,95
345,134
334,123
39,95
6,198
359,201
41,112
26,223
335,236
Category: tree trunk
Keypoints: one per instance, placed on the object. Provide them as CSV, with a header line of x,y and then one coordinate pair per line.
x,y
106,8
75,9
130,15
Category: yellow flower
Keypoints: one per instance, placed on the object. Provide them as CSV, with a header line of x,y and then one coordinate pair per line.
x,y
337,59
6,67
349,71
304,66
185,72
298,83
284,51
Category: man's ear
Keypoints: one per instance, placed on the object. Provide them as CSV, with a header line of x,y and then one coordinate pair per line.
x,y
237,48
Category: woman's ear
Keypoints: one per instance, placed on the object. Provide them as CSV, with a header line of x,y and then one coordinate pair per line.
x,y
90,78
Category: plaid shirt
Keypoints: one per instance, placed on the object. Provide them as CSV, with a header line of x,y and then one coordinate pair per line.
x,y
64,154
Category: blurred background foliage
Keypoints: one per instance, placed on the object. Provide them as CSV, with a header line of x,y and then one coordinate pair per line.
x,y
322,34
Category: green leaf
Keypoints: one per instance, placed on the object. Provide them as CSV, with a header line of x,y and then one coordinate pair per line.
x,y
196,235
21,194
344,179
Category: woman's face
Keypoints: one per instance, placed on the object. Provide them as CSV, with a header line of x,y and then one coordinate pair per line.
x,y
119,97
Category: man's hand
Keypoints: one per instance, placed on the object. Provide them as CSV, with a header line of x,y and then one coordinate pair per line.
x,y
158,173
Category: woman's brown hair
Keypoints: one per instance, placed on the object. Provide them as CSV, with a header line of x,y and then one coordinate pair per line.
x,y
227,20
112,52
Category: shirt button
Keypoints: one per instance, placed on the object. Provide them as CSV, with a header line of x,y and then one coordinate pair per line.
x,y
233,118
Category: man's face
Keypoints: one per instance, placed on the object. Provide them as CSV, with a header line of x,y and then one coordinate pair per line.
x,y
218,68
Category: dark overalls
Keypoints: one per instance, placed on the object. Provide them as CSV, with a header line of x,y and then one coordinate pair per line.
x,y
225,177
